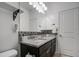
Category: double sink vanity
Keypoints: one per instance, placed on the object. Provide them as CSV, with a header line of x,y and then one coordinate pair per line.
x,y
38,45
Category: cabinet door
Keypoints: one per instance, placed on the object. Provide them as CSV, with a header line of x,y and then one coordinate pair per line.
x,y
53,47
29,49
44,47
24,50
47,53
45,50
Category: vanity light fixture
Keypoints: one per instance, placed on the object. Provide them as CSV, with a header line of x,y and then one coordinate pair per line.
x,y
39,6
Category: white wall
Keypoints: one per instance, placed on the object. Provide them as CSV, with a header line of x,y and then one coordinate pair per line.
x,y
24,19
8,38
45,22
15,4
37,19
51,15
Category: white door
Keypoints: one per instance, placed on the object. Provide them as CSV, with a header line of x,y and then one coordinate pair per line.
x,y
69,32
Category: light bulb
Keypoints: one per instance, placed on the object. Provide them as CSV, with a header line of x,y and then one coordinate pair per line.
x,y
45,8
37,8
41,3
40,10
30,3
34,5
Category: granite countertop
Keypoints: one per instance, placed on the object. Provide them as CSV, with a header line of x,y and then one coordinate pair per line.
x,y
37,42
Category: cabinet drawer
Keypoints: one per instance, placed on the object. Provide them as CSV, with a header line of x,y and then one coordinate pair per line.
x,y
45,47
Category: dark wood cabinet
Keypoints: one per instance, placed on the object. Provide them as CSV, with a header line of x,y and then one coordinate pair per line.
x,y
53,47
46,50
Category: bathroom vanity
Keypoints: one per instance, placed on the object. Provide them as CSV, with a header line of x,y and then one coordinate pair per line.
x,y
43,47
